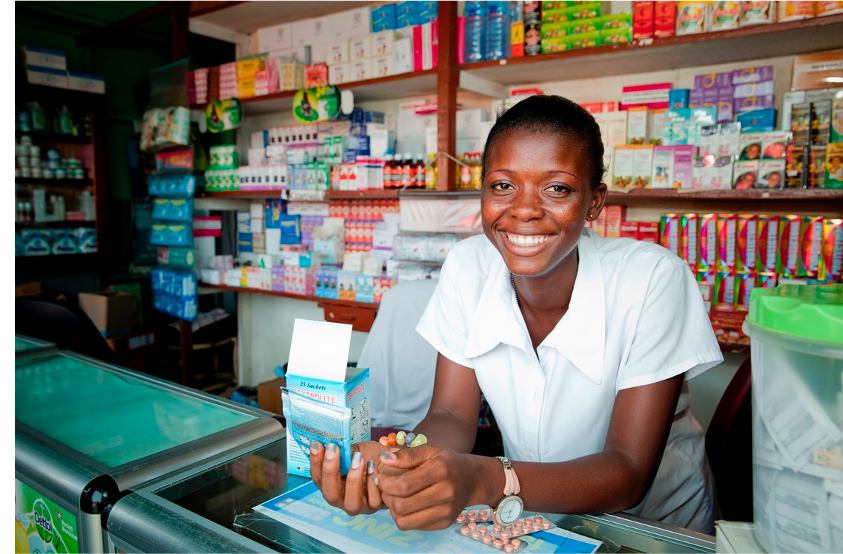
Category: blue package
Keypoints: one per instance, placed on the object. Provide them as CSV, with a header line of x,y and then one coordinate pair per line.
x,y
427,11
64,241
349,156
172,209
383,18
407,14
18,244
309,420
757,120
290,226
678,98
244,242
36,242
163,234
275,207
86,239
179,185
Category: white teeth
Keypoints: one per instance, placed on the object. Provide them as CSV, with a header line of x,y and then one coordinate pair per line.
x,y
526,240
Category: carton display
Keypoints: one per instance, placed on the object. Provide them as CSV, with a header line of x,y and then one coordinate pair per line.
x,y
111,312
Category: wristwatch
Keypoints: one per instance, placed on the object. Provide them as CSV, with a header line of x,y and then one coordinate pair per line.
x,y
510,508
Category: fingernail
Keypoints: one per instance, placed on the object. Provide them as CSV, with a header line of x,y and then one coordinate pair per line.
x,y
314,447
356,460
387,455
370,467
375,479
331,451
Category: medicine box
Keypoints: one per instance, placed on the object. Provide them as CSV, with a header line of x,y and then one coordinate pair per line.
x,y
277,37
383,18
383,66
45,58
403,55
86,83
111,312
616,125
361,70
339,74
360,48
350,23
46,76
382,43
637,126
642,166
622,166
338,52
757,120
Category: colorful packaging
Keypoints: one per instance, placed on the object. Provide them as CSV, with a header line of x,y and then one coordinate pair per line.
x,y
702,172
800,123
558,44
757,119
757,13
648,231
709,140
584,40
751,146
670,232
614,218
721,173
725,16
726,242
816,171
837,118
795,175
744,283
643,21
746,248
794,11
616,36
730,140
745,174
589,25
629,230
533,38
725,287
832,250
642,165
691,17
773,145
820,122
789,245
752,74
664,19
767,242
766,280
829,8
623,166
673,166
834,166
770,174
678,98
713,80
707,292
657,126
810,246
708,243
690,247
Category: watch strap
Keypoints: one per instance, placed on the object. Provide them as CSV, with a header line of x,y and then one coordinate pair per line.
x,y
512,486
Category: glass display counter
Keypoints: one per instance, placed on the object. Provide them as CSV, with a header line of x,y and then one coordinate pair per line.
x,y
87,432
210,508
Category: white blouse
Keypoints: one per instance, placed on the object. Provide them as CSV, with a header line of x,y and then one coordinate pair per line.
x,y
636,317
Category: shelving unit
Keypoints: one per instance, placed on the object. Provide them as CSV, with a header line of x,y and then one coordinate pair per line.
x,y
320,299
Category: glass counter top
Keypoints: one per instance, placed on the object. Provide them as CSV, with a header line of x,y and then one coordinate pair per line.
x,y
23,343
109,416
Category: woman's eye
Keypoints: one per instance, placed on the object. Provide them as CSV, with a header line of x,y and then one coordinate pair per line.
x,y
502,186
557,188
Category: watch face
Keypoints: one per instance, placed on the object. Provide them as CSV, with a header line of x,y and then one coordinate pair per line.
x,y
509,510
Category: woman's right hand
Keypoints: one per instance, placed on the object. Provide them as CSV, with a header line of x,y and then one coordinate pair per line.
x,y
357,492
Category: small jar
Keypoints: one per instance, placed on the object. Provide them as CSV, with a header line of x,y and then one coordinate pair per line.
x,y
34,151
61,173
36,173
21,150
53,164
25,172
47,173
26,140
53,155
23,161
34,162
78,173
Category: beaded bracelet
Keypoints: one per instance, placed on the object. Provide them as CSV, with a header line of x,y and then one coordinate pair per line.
x,y
403,439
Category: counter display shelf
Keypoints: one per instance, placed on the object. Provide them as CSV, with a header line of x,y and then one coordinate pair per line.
x,y
87,432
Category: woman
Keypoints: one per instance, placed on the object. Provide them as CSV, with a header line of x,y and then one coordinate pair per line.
x,y
581,346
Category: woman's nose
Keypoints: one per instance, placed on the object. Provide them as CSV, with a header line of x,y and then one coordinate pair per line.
x,y
527,204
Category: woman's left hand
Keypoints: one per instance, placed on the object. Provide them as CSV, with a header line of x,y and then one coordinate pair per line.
x,y
436,485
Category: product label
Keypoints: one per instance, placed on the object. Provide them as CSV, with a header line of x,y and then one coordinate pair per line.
x,y
41,525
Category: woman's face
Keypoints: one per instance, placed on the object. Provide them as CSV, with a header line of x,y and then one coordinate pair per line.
x,y
535,199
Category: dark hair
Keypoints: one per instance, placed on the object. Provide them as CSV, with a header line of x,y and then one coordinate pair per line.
x,y
558,115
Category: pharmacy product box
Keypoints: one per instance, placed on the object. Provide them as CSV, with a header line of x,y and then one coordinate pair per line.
x,y
622,166
729,143
726,241
770,174
837,118
757,120
339,74
244,242
36,242
350,23
653,96
664,19
712,81
64,241
796,168
767,240
616,36
678,98
724,16
642,165
629,230
832,249
46,58
702,172
407,14
383,18
657,126
751,144
383,66
810,246
695,98
788,245
751,103
86,83
721,173
815,169
690,243
338,52
648,231
111,312
277,37
708,242
670,230
834,166
747,233
643,22
403,54
773,145
361,70
710,97
673,166
752,75
616,125
757,13
614,218
360,48
725,105
709,140
816,71
761,88
820,124
383,43
637,126
745,174
800,123
46,76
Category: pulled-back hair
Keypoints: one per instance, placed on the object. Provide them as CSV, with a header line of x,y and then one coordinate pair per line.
x,y
554,115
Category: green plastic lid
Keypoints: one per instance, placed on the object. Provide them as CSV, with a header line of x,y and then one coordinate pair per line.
x,y
806,311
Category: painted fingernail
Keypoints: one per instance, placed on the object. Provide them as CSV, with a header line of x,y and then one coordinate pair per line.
x,y
356,460
375,479
314,447
370,467
331,451
387,455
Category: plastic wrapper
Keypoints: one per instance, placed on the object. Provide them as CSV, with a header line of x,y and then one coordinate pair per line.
x,y
423,248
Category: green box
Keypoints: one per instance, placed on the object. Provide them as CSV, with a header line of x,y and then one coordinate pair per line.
x,y
554,16
584,40
554,30
558,44
583,11
584,26
616,36
616,21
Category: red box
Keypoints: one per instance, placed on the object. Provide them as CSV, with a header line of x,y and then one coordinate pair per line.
x,y
648,231
670,233
832,250
745,284
664,19
727,234
643,20
629,230
727,322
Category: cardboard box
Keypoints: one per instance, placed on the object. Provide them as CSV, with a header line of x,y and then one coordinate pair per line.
x,y
277,37
111,312
812,71
269,395
46,76
129,344
43,57
85,82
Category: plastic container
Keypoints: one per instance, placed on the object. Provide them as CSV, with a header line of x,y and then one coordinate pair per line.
x,y
475,31
497,30
796,334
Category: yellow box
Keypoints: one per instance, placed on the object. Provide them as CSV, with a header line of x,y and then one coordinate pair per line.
x,y
518,32
249,68
246,88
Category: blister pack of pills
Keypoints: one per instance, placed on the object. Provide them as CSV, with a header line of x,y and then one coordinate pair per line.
x,y
479,525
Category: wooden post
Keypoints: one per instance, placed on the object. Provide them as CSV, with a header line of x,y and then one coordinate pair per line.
x,y
179,25
185,349
448,80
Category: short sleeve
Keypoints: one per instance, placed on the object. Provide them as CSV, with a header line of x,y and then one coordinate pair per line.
x,y
444,323
673,334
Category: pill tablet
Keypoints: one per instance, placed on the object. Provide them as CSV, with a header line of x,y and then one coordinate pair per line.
x,y
465,530
497,528
487,539
475,535
509,548
518,524
471,513
483,512
537,527
546,525
460,519
515,533
515,543
483,530
472,518
528,521
538,519
472,526
505,535
497,543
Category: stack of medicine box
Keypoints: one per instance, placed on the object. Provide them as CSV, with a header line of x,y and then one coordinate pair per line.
x,y
365,57
247,76
227,81
222,174
568,29
49,68
290,74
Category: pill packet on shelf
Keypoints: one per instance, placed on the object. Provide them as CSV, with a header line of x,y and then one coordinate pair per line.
x,y
482,534
522,526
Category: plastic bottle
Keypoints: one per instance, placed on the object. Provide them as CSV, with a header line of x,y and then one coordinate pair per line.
x,y
477,171
475,31
407,170
430,173
37,116
23,121
397,167
497,30
465,172
418,174
387,171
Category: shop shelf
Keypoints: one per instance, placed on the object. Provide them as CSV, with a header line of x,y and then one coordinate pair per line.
x,y
747,43
352,194
39,137
53,224
319,299
240,194
85,182
40,266
247,17
416,83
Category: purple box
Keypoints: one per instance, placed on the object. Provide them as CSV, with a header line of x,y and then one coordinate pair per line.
x,y
695,98
725,110
712,80
683,164
753,103
752,74
278,278
710,97
763,88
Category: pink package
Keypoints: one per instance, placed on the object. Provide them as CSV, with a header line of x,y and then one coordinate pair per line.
x,y
653,96
683,165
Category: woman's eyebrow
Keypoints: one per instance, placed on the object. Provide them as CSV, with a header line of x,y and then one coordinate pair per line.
x,y
548,172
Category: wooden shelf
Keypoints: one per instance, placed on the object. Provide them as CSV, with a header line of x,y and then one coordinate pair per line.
x,y
241,194
748,43
319,299
405,85
819,201
53,224
44,136
353,194
84,182
62,264
247,17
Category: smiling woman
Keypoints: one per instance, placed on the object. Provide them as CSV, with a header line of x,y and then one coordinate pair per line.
x,y
580,344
